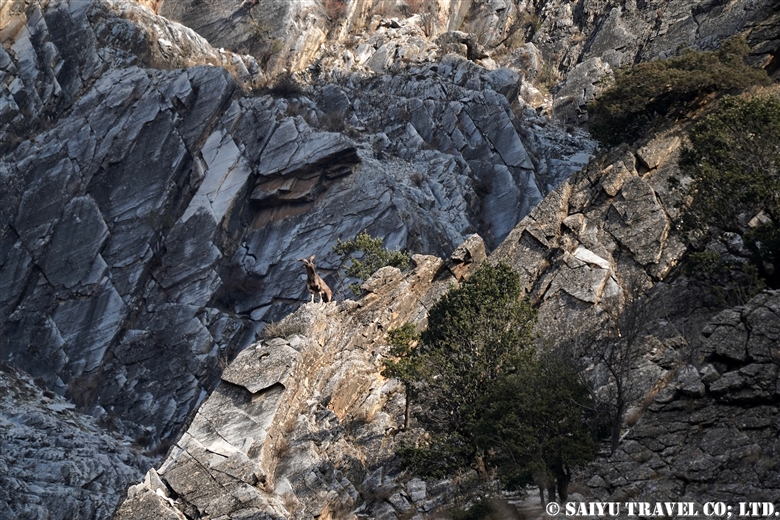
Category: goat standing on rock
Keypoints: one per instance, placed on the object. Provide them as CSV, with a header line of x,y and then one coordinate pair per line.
x,y
314,283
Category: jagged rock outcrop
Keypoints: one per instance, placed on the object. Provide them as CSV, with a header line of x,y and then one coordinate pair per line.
x,y
578,44
152,214
597,241
53,51
313,435
711,434
155,213
57,462
305,426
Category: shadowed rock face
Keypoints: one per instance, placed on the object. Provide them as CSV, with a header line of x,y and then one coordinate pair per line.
x,y
152,214
712,433
583,42
56,462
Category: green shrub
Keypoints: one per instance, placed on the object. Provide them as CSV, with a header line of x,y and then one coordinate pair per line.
x,y
670,87
480,510
734,163
729,283
367,255
534,425
733,160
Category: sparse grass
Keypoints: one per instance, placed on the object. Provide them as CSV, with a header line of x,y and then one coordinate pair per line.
x,y
418,179
577,37
162,448
282,329
223,360
548,77
386,9
143,441
282,447
335,10
333,122
428,24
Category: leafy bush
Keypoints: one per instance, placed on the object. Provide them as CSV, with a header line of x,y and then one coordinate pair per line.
x,y
730,283
480,510
374,257
484,395
733,159
734,163
533,425
668,88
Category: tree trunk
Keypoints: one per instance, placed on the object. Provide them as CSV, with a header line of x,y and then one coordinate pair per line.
x,y
563,480
551,492
406,412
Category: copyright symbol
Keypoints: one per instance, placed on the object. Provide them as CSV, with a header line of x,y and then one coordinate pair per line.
x,y
553,508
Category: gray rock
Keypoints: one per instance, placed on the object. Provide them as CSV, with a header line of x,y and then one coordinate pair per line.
x,y
689,383
261,367
57,462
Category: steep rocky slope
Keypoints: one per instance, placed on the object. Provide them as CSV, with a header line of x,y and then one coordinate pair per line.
x,y
315,438
152,213
712,434
302,426
578,42
156,213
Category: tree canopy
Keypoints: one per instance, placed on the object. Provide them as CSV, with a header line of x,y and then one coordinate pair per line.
x,y
367,255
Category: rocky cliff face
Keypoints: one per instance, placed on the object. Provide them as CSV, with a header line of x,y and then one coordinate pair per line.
x,y
155,199
324,447
711,434
578,43
303,426
56,462
156,213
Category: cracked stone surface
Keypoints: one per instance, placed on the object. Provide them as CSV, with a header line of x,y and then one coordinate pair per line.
x,y
306,435
694,440
57,462
155,200
156,212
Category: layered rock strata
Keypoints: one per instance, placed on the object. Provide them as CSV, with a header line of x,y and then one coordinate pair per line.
x,y
711,434
305,426
572,46
316,423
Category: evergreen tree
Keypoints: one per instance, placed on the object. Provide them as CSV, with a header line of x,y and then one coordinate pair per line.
x,y
734,163
484,396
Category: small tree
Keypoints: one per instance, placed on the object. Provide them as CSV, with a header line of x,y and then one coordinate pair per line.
x,y
534,425
372,257
476,378
404,365
617,350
